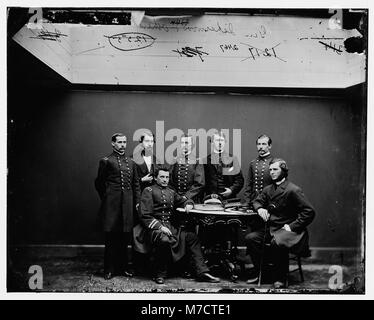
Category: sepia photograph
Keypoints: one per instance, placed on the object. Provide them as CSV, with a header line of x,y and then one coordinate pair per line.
x,y
186,150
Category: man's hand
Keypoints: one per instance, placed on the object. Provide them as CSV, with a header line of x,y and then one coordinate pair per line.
x,y
137,207
147,178
188,207
264,214
227,192
166,230
287,227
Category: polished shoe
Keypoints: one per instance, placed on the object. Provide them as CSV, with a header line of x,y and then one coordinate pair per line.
x,y
253,279
253,276
279,285
187,275
159,280
207,277
108,275
128,273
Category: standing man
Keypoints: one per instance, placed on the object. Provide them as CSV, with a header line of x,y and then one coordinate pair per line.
x,y
286,210
146,164
223,175
118,187
187,178
168,239
258,173
145,160
186,173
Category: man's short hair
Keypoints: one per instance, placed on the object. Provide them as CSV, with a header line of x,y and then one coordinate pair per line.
x,y
264,136
219,133
118,134
147,133
185,135
282,165
161,168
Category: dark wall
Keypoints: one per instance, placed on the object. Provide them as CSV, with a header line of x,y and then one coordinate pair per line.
x,y
57,138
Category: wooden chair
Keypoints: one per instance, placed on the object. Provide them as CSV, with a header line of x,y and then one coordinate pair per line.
x,y
297,258
291,257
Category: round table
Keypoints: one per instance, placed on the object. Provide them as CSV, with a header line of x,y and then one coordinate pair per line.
x,y
217,216
214,216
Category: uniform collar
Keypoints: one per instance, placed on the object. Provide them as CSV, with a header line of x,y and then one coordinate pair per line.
x,y
161,187
116,153
218,152
267,156
190,156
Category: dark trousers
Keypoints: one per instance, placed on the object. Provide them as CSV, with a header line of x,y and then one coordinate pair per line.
x,y
162,254
219,236
278,255
116,256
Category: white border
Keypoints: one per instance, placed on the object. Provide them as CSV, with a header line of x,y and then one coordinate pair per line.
x,y
191,3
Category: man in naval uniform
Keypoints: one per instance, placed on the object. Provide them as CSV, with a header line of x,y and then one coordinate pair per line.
x,y
169,241
288,212
258,175
118,186
187,179
186,173
223,175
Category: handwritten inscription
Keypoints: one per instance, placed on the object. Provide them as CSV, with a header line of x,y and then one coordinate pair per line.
x,y
256,53
48,35
260,33
227,28
332,46
328,43
191,52
130,41
179,22
229,47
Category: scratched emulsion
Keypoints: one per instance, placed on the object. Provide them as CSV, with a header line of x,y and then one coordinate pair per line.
x,y
51,43
354,45
209,50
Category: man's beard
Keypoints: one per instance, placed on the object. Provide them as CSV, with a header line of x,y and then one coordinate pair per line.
x,y
281,176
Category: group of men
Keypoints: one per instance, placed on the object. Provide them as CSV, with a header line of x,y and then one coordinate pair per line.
x,y
140,192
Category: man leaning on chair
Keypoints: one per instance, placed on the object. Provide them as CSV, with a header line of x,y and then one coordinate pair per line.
x,y
286,213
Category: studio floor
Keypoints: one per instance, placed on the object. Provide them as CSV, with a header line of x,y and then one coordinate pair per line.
x,y
85,274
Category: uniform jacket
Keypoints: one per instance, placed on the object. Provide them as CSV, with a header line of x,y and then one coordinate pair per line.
x,y
157,209
229,169
258,177
142,169
118,186
292,208
187,177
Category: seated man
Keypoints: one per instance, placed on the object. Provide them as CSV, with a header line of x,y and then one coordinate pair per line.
x,y
167,238
289,213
